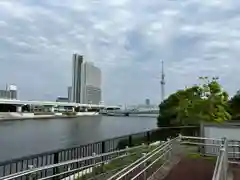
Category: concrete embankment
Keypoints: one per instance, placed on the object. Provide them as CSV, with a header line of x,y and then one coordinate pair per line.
x,y
11,116
134,115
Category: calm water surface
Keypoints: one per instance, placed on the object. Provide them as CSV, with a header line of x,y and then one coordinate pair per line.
x,y
22,138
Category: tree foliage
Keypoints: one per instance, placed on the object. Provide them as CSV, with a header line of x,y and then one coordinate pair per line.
x,y
204,102
234,105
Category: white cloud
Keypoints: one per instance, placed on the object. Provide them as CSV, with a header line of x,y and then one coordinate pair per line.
x,y
127,39
3,23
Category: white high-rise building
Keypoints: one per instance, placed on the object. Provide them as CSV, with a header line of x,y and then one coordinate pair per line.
x,y
86,82
92,81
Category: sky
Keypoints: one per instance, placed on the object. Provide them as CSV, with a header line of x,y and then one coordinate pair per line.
x,y
127,39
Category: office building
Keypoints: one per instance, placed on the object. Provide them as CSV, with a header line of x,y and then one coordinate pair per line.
x,y
147,102
77,78
92,80
13,91
70,94
4,94
9,93
86,82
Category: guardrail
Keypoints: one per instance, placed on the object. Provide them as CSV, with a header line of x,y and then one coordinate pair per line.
x,y
75,168
148,165
151,165
105,146
221,166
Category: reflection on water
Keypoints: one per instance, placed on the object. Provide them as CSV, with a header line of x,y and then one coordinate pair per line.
x,y
22,138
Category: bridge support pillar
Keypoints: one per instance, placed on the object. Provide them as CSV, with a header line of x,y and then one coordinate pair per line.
x,y
19,109
52,109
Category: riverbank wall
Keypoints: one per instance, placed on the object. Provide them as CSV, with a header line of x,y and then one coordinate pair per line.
x,y
11,116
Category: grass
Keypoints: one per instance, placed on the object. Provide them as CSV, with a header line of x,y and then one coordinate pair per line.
x,y
104,171
115,165
200,156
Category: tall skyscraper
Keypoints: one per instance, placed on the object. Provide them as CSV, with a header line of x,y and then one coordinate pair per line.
x,y
92,80
77,78
147,102
70,94
86,82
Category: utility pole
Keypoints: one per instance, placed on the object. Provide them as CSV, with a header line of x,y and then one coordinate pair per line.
x,y
162,83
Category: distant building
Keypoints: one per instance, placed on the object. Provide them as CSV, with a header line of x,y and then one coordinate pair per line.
x,y
86,82
92,80
13,91
147,102
70,94
4,94
77,78
9,93
62,99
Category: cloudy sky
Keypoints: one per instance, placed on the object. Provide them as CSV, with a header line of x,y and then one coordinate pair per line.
x,y
127,39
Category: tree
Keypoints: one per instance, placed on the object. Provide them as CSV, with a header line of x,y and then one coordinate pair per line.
x,y
204,102
234,106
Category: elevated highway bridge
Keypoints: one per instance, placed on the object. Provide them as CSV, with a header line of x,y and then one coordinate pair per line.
x,y
126,112
7,105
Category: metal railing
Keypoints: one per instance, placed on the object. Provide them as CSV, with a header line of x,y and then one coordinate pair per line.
x,y
150,163
221,166
147,165
75,168
54,157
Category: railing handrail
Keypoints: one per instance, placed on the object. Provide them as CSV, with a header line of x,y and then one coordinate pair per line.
x,y
200,138
34,170
220,164
217,165
142,160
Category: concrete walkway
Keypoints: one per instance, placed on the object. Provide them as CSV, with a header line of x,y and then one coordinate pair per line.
x,y
192,169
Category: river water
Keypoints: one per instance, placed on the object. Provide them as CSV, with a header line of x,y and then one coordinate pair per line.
x,y
27,137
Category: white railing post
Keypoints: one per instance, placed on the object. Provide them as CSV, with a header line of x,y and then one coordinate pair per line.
x,y
180,136
94,162
126,149
168,149
226,159
144,166
30,168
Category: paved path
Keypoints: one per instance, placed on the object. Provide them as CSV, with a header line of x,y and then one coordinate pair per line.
x,y
192,169
235,171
